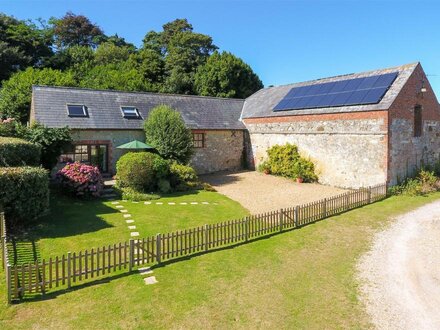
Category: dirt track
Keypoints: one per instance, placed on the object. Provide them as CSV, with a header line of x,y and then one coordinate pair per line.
x,y
400,276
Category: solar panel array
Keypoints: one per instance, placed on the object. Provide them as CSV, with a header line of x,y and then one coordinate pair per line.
x,y
356,91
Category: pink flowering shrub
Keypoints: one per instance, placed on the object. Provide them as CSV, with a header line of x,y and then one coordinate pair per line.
x,y
81,180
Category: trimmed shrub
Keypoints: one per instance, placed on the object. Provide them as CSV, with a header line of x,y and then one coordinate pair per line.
x,y
134,195
81,180
140,171
24,193
18,152
285,160
182,176
423,183
167,132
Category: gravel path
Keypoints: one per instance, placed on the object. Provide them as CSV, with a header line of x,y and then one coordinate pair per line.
x,y
400,276
260,193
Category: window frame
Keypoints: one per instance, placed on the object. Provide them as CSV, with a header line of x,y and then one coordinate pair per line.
x,y
198,143
135,114
418,121
84,108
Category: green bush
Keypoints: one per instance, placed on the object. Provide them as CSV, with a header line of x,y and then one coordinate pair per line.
x,y
24,193
140,171
134,195
18,152
167,132
285,160
182,176
423,183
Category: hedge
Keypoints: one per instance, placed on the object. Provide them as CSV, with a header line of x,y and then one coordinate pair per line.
x,y
18,152
24,193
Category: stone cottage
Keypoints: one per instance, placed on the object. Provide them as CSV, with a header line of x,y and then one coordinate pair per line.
x,y
359,129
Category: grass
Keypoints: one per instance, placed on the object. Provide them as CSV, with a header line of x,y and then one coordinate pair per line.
x,y
299,279
75,225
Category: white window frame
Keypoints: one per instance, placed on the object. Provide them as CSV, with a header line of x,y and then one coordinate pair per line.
x,y
134,111
84,109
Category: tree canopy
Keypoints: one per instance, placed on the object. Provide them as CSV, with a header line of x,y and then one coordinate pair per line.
x,y
74,51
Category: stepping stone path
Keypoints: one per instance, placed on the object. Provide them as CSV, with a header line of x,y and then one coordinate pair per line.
x,y
150,280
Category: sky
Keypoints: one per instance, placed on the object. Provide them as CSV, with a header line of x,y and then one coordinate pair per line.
x,y
283,41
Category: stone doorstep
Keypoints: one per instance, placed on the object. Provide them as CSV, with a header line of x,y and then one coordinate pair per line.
x,y
129,221
131,227
145,271
150,280
127,215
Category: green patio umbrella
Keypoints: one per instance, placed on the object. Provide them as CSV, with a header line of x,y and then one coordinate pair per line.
x,y
135,145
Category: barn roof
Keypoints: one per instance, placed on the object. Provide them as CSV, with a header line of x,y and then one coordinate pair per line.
x,y
261,104
49,107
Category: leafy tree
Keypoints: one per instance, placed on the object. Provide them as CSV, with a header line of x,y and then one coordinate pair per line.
x,y
71,30
115,76
182,51
120,42
166,131
16,92
225,75
53,141
151,65
108,53
22,44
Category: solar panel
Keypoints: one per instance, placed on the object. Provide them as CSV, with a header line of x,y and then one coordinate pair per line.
x,y
356,91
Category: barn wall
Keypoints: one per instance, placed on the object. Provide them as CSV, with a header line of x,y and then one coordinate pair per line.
x,y
406,151
349,150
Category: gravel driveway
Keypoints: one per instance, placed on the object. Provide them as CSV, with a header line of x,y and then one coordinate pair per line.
x,y
260,193
400,276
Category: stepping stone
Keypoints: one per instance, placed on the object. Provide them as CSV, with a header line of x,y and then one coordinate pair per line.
x,y
115,203
147,203
159,203
145,271
129,221
127,215
124,200
183,203
171,203
135,202
134,233
205,203
119,206
131,227
215,203
150,280
194,203
123,211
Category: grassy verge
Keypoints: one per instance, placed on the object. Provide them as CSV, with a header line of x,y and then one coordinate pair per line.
x,y
299,279
75,225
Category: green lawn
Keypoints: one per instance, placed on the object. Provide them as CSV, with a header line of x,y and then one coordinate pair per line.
x,y
74,225
298,279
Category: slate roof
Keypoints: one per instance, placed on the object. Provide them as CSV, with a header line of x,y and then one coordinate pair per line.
x,y
49,107
260,104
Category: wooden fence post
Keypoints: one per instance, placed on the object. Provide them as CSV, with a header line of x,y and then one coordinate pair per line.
x,y
158,248
369,195
295,216
131,255
206,237
347,200
324,211
69,270
246,228
281,217
8,283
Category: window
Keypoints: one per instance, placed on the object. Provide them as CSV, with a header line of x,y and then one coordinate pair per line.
x,y
418,121
198,140
91,154
76,110
130,112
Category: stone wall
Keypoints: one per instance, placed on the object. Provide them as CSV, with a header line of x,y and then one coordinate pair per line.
x,y
349,149
406,152
223,150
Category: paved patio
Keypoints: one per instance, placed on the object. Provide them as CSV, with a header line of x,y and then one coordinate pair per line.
x,y
260,193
